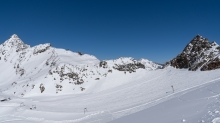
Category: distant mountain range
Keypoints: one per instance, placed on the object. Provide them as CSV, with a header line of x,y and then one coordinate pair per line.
x,y
43,69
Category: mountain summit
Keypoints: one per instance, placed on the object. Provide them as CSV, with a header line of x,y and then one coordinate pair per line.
x,y
14,36
199,54
14,43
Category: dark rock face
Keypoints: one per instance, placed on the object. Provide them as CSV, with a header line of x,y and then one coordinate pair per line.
x,y
198,54
103,64
131,67
42,88
215,64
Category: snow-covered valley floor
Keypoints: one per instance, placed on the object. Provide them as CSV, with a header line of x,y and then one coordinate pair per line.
x,y
147,94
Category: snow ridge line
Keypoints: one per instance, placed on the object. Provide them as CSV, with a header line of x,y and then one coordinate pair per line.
x,y
135,109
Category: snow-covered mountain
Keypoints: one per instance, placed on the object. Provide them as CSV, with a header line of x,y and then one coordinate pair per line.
x,y
45,70
43,84
199,54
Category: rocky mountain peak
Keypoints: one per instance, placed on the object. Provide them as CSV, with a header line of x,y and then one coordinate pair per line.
x,y
14,36
14,42
14,39
198,54
197,45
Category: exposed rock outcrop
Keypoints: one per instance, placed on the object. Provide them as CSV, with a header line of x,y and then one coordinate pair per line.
x,y
199,54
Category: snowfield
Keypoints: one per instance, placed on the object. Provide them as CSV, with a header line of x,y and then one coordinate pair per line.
x,y
196,105
43,84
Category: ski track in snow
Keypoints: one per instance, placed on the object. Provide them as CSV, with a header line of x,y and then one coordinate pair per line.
x,y
135,109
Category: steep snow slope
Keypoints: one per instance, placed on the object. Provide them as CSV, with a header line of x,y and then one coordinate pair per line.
x,y
28,68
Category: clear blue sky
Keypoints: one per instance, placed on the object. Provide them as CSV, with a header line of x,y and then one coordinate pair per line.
x,y
108,29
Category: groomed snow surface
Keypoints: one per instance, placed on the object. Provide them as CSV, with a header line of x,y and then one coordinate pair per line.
x,y
148,97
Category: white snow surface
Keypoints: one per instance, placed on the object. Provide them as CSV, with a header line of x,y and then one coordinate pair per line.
x,y
43,84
